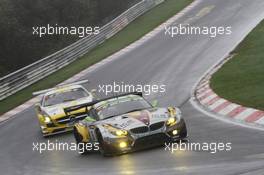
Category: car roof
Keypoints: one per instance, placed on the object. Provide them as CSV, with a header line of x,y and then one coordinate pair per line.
x,y
116,100
60,89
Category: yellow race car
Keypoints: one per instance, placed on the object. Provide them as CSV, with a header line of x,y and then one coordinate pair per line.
x,y
49,110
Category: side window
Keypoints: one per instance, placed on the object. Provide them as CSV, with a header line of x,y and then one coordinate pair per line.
x,y
42,101
92,113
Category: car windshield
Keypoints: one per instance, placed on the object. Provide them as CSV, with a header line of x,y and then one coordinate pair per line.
x,y
123,107
64,96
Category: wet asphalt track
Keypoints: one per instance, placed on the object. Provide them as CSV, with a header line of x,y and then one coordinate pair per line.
x,y
177,62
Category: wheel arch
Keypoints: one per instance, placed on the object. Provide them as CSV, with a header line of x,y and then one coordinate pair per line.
x,y
82,131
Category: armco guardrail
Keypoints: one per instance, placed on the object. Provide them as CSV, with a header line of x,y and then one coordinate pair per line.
x,y
30,74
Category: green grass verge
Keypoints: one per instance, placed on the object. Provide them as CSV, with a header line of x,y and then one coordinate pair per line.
x,y
131,33
241,80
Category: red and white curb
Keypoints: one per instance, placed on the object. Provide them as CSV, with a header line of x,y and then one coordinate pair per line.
x,y
208,100
113,57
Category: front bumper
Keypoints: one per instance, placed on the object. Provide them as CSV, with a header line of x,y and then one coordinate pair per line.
x,y
147,140
60,125
48,131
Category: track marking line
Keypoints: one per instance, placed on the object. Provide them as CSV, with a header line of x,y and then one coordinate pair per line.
x,y
217,103
228,109
236,111
208,99
213,100
203,12
255,116
260,121
203,89
243,115
205,95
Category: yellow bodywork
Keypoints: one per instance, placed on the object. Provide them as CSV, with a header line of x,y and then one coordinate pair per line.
x,y
52,117
83,131
172,111
56,126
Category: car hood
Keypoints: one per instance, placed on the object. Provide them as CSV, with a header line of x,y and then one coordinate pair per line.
x,y
57,111
138,118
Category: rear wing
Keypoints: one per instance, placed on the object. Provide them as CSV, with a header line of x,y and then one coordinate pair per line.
x,y
86,105
59,86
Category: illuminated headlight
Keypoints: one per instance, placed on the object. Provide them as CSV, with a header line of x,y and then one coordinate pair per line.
x,y
175,116
47,120
121,132
171,121
116,131
122,144
175,132
46,117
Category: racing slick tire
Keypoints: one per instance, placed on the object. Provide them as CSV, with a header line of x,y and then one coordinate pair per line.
x,y
183,133
102,148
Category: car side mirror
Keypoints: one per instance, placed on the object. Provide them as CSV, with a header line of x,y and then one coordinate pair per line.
x,y
89,119
154,103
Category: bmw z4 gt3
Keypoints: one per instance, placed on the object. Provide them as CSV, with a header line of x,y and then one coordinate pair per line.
x,y
127,122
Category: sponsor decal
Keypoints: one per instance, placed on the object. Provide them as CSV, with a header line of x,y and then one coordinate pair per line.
x,y
142,116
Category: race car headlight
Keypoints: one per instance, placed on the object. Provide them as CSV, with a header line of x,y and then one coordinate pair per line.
x,y
171,121
175,116
47,119
121,132
122,144
116,131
